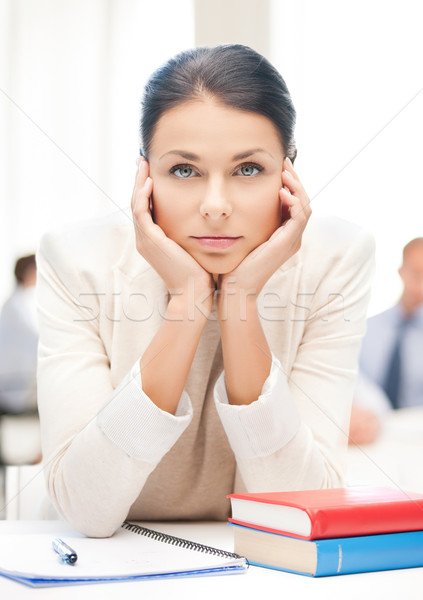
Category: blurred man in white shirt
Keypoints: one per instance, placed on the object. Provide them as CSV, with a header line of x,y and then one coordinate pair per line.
x,y
19,341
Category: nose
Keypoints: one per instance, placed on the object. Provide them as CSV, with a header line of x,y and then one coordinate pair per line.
x,y
215,203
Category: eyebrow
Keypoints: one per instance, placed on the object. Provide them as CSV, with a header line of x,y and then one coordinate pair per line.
x,y
191,156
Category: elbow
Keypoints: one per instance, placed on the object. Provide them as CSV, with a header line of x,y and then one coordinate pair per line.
x,y
90,525
91,521
93,530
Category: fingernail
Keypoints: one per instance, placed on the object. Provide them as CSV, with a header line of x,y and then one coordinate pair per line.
x,y
289,160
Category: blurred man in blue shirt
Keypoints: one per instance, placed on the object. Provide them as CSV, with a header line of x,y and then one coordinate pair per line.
x,y
399,331
391,356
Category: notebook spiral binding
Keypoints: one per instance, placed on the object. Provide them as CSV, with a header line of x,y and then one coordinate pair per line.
x,y
176,541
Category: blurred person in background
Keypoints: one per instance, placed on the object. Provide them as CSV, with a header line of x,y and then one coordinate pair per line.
x,y
19,341
391,373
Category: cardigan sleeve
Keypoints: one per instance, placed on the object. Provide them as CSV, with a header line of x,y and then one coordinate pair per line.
x,y
262,427
99,444
295,436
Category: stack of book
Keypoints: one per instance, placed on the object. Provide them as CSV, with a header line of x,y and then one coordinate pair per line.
x,y
331,531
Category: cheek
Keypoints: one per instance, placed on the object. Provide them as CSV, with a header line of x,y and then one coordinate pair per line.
x,y
265,210
168,206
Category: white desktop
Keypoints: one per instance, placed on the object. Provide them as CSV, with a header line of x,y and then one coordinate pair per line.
x,y
395,459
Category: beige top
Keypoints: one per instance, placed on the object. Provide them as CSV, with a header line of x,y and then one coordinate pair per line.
x,y
110,453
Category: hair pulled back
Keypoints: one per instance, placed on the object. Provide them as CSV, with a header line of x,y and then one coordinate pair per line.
x,y
233,74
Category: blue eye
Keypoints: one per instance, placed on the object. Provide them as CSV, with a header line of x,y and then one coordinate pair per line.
x,y
185,172
249,170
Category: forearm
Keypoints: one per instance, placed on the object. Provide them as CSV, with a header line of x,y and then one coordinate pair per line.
x,y
166,362
299,464
98,459
273,445
93,482
246,354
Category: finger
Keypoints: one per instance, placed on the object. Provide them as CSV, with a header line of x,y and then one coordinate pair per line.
x,y
288,166
141,205
284,196
140,181
294,185
291,179
296,210
134,189
293,207
296,188
141,175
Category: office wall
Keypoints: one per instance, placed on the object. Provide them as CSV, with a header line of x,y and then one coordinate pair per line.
x,y
71,74
233,22
354,71
71,77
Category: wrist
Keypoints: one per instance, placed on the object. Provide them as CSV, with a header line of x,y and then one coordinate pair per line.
x,y
239,304
193,303
231,285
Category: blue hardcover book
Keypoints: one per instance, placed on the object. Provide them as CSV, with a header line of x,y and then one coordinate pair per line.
x,y
334,556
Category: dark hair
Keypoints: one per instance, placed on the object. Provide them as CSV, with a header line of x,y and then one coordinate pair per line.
x,y
234,74
23,265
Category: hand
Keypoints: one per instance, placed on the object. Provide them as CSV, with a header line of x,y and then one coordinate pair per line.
x,y
365,426
258,266
179,270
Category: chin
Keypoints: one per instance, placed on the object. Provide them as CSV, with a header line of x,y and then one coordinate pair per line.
x,y
219,265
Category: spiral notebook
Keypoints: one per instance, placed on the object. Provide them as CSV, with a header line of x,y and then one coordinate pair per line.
x,y
132,553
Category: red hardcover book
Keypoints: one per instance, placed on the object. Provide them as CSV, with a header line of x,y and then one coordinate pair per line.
x,y
329,513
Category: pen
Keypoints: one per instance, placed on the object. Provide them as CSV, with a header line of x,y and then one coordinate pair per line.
x,y
65,552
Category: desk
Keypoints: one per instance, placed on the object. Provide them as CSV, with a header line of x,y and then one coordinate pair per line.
x,y
255,584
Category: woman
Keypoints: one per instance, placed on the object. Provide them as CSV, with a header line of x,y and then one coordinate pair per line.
x,y
214,349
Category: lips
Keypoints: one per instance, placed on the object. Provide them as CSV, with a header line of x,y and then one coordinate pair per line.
x,y
217,242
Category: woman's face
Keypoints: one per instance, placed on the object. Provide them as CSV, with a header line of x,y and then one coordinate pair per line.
x,y
216,173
